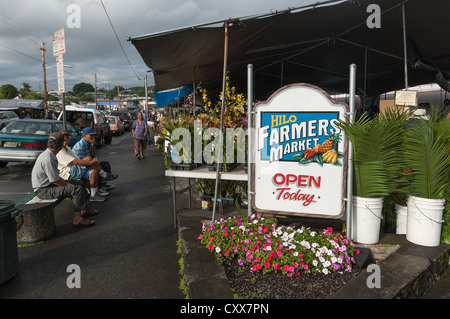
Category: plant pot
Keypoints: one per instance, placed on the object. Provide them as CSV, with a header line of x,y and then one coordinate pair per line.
x,y
230,199
366,219
184,167
424,222
206,197
229,167
400,212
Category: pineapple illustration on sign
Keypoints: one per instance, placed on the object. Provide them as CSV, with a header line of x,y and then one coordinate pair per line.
x,y
321,153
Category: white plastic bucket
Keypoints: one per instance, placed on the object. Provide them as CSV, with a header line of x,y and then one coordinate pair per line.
x,y
425,218
366,219
401,212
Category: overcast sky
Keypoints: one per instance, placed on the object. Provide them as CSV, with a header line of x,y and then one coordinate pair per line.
x,y
93,47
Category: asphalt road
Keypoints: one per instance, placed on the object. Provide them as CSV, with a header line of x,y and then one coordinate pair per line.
x,y
129,253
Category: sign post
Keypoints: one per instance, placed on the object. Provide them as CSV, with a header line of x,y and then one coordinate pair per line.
x,y
59,48
300,155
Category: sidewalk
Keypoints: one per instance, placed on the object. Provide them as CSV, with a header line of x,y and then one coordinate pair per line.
x,y
130,253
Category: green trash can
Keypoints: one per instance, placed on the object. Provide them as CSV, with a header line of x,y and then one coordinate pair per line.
x,y
9,260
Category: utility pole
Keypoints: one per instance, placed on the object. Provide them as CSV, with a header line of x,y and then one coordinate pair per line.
x,y
118,99
95,88
42,48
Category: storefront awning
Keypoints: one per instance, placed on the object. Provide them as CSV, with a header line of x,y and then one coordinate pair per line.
x,y
312,45
166,97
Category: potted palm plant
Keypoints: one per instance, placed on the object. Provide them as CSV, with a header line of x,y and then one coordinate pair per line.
x,y
426,152
376,143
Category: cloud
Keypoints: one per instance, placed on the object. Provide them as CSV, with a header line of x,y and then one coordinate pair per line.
x,y
94,47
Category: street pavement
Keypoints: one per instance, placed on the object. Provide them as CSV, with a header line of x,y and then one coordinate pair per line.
x,y
129,253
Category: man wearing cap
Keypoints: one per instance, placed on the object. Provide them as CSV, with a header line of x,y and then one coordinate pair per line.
x,y
47,184
72,168
85,147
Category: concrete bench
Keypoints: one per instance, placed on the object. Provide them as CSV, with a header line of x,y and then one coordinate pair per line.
x,y
36,220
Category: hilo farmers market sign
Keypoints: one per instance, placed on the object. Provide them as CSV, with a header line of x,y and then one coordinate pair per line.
x,y
299,162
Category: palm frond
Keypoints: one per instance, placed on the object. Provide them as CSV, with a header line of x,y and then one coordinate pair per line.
x,y
377,144
427,156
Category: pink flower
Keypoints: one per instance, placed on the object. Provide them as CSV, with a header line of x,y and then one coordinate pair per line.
x,y
200,237
267,264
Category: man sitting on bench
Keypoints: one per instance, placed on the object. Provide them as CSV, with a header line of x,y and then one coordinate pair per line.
x,y
72,168
47,184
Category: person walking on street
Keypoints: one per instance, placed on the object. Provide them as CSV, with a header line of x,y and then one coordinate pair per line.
x,y
140,132
47,184
72,168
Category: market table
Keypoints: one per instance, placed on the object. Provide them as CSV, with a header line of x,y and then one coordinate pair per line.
x,y
202,172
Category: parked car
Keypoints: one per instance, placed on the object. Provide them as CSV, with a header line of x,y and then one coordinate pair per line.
x,y
6,117
125,117
115,125
23,140
81,117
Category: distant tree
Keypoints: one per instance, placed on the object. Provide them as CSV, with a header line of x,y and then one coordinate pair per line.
x,y
81,88
25,89
8,91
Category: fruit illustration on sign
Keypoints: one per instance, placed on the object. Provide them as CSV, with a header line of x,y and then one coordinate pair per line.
x,y
322,153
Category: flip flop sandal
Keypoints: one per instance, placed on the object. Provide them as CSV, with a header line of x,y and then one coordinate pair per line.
x,y
89,213
85,223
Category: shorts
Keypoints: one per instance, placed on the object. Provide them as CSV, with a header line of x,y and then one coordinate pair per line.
x,y
80,172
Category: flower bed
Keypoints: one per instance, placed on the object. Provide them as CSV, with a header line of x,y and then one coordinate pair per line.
x,y
257,242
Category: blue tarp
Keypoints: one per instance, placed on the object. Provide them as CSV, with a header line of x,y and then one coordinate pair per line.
x,y
163,98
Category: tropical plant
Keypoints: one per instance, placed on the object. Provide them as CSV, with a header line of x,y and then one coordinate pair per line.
x,y
206,186
377,145
426,153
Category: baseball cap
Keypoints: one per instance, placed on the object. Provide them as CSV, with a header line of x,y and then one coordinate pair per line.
x,y
88,131
55,140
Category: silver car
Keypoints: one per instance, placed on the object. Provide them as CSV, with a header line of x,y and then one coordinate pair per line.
x,y
6,117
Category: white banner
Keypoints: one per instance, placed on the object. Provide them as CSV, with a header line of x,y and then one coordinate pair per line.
x,y
60,72
59,42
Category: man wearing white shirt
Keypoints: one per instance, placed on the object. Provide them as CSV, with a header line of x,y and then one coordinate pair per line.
x,y
72,168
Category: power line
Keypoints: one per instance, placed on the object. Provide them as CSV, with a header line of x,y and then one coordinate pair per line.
x,y
119,40
17,51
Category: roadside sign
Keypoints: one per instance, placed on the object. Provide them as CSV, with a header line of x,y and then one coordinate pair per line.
x,y
294,129
60,73
59,43
406,98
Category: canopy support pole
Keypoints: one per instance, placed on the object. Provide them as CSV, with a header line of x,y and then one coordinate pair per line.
x,y
220,148
404,47
352,85
249,136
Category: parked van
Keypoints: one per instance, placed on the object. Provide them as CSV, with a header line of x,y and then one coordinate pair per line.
x,y
81,117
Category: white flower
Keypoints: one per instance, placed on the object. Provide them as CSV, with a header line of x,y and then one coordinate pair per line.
x,y
325,271
217,249
315,263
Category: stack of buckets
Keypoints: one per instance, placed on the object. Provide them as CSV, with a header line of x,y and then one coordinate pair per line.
x,y
421,220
